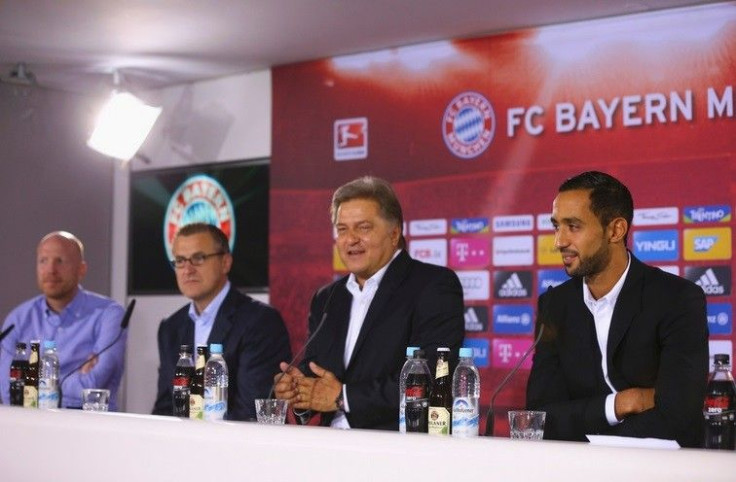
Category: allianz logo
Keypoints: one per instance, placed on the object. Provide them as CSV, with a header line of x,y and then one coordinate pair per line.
x,y
703,215
522,319
704,243
718,319
660,245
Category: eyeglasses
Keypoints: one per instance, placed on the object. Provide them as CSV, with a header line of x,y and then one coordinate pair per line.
x,y
197,259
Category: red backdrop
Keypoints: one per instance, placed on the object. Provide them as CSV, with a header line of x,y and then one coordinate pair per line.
x,y
648,98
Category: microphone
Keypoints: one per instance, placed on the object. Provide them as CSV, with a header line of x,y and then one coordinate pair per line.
x,y
306,343
123,326
490,414
6,332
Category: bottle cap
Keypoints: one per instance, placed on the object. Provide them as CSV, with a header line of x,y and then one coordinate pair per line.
x,y
410,350
466,352
721,359
216,348
419,353
442,348
49,344
20,345
185,348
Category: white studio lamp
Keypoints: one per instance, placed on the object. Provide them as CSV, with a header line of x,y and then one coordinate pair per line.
x,y
122,125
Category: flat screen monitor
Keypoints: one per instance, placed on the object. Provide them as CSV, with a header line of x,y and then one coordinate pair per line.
x,y
232,196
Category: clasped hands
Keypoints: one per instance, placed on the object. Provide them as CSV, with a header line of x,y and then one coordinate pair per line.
x,y
316,393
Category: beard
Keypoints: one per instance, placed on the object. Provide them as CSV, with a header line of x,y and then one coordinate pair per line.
x,y
593,264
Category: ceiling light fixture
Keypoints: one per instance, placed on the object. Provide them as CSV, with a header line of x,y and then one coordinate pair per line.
x,y
123,124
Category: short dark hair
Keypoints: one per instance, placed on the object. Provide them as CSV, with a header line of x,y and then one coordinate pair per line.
x,y
374,189
220,239
609,197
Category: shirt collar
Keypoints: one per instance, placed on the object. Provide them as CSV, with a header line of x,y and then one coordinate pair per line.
x,y
611,296
208,314
353,286
74,308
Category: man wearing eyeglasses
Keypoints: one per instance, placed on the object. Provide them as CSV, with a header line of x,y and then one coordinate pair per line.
x,y
252,334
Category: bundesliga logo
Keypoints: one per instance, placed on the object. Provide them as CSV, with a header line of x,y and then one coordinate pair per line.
x,y
468,125
199,199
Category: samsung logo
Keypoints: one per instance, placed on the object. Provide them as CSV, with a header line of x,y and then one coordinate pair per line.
x,y
502,224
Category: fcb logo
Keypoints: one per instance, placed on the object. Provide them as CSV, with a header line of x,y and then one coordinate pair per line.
x,y
468,125
199,199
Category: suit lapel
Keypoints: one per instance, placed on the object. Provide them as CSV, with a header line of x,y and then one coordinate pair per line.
x,y
628,305
338,319
223,319
392,279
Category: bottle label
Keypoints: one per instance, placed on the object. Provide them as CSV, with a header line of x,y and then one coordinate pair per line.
x,y
30,397
48,397
717,404
416,392
196,407
439,421
465,417
215,405
181,381
443,368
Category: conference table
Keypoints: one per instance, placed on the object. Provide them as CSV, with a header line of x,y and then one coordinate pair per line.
x,y
86,446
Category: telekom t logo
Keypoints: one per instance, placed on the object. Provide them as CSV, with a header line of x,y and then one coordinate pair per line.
x,y
461,251
505,351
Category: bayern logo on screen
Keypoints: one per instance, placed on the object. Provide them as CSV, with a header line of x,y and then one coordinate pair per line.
x,y
468,125
199,199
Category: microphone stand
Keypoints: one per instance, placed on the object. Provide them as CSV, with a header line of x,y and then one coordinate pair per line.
x,y
123,327
490,414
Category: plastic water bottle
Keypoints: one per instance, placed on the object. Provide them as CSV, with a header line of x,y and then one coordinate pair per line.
x,y
215,385
402,387
18,369
465,396
48,383
418,386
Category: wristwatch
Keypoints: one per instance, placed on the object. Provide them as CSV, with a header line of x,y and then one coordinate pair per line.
x,y
340,402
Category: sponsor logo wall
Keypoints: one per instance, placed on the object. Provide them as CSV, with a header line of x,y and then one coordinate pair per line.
x,y
476,154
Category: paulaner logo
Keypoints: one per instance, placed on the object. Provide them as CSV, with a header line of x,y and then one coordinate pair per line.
x,y
707,214
199,199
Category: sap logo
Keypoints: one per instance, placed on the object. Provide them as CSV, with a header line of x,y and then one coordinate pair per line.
x,y
469,225
707,214
656,245
704,243
476,318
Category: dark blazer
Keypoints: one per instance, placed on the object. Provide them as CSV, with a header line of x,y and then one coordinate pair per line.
x,y
658,338
254,341
416,304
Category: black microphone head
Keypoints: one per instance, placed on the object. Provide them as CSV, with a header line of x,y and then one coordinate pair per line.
x,y
128,313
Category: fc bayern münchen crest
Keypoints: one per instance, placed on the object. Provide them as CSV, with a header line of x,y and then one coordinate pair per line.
x,y
199,199
468,125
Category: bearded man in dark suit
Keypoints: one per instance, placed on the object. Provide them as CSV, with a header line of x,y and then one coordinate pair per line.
x,y
350,373
625,346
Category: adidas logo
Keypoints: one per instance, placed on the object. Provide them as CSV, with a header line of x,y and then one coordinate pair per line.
x,y
473,322
710,283
513,288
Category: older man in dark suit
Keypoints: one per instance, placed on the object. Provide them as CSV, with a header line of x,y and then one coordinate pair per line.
x,y
625,346
253,334
388,302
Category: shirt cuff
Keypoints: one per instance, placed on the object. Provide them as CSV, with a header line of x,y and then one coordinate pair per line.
x,y
611,410
346,406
